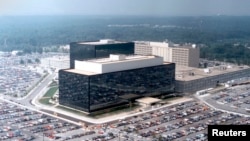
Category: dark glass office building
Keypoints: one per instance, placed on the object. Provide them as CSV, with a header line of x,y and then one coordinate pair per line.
x,y
98,49
99,91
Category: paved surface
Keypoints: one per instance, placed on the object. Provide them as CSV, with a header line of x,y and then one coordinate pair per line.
x,y
185,120
106,118
232,100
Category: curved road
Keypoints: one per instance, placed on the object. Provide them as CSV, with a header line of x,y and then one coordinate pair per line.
x,y
38,90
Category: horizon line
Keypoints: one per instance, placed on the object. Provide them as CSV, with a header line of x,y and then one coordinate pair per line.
x,y
123,15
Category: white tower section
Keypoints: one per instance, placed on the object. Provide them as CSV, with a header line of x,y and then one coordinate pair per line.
x,y
118,63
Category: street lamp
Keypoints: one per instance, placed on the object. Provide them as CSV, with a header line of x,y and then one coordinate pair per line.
x,y
119,136
43,136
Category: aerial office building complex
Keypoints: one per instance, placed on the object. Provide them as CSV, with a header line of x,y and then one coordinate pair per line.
x,y
182,55
98,49
190,78
101,83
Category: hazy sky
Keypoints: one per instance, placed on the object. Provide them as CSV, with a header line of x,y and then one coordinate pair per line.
x,y
125,7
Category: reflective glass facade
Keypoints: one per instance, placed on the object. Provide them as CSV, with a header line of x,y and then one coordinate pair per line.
x,y
96,92
74,90
80,51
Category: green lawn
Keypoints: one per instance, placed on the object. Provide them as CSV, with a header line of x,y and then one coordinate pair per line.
x,y
45,101
51,92
53,84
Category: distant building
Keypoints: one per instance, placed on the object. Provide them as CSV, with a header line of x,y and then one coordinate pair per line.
x,y
15,52
98,49
57,62
190,80
183,55
101,83
143,48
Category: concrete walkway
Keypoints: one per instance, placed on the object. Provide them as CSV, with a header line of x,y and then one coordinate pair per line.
x,y
105,119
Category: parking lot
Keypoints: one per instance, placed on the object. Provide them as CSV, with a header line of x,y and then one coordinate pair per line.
x,y
16,79
20,74
234,99
184,121
21,124
19,85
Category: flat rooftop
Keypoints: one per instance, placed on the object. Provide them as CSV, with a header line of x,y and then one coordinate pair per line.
x,y
184,73
88,72
81,72
115,63
101,42
184,47
118,62
165,44
126,59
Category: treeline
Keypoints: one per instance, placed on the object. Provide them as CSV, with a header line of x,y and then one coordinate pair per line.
x,y
234,53
217,33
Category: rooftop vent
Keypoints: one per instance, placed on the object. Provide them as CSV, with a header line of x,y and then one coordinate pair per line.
x,y
117,57
207,70
107,41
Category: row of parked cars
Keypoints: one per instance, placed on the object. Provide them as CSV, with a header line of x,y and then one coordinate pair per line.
x,y
187,121
17,123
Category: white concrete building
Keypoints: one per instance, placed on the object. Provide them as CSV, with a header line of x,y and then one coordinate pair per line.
x,y
143,48
57,62
190,79
117,63
182,55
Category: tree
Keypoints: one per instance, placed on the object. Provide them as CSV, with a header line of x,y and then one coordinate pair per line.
x,y
22,62
37,60
29,61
